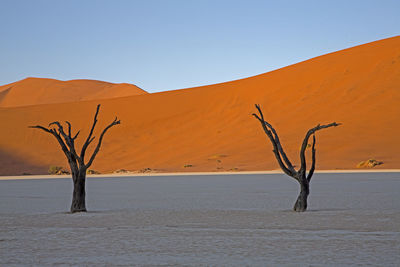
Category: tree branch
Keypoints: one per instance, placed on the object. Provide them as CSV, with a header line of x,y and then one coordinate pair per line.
x,y
280,148
58,137
69,128
88,139
115,122
289,170
312,169
76,135
305,143
61,131
68,139
40,127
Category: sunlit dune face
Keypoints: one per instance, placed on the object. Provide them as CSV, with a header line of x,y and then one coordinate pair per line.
x,y
183,130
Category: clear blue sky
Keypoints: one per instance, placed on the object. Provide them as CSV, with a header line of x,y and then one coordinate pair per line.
x,y
166,44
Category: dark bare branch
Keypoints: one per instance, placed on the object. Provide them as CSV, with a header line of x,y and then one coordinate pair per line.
x,y
305,143
64,148
87,142
91,140
70,131
276,150
40,127
60,130
258,107
68,139
76,135
280,148
69,128
115,122
58,137
312,169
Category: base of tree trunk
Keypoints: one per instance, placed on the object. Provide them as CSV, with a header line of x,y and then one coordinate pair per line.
x,y
301,203
300,206
79,194
78,210
78,205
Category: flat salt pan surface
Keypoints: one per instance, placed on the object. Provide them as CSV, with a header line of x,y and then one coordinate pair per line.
x,y
229,220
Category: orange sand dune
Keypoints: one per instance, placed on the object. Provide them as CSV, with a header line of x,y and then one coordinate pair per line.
x,y
35,91
211,127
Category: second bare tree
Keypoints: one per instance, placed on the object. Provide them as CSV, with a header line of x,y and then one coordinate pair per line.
x,y
301,176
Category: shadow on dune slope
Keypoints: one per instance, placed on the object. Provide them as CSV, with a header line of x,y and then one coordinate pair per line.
x,y
14,165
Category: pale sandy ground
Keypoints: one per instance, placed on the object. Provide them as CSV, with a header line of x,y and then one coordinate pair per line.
x,y
193,220
134,174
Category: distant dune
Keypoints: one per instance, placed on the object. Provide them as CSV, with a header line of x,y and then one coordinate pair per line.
x,y
210,128
35,91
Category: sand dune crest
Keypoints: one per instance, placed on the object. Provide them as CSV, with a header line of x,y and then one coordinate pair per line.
x,y
35,91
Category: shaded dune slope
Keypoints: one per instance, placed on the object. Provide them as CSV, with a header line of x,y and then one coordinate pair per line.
x,y
35,91
211,127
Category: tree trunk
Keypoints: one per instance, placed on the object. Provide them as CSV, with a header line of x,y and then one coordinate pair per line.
x,y
301,203
79,194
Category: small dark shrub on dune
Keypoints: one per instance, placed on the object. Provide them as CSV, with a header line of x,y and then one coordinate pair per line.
x,y
92,172
54,169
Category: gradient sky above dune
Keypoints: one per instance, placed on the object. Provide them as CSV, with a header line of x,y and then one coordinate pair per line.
x,y
164,45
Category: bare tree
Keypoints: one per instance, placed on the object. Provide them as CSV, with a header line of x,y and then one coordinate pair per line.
x,y
77,162
285,164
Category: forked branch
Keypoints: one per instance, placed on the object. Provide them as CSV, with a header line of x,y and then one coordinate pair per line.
x,y
280,154
276,139
89,138
67,141
278,150
305,144
115,122
312,169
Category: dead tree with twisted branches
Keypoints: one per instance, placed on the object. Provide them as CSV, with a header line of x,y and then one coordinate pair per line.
x,y
300,176
77,161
